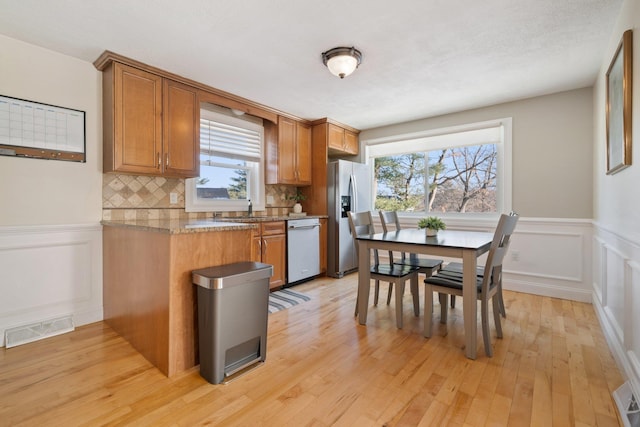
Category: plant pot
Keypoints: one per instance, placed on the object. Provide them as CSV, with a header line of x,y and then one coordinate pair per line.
x,y
297,208
431,232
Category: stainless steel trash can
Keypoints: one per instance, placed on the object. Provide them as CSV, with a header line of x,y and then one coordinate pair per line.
x,y
233,306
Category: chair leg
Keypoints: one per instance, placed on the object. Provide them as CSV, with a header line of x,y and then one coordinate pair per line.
x,y
355,314
499,294
484,304
428,310
496,315
389,293
502,310
399,294
416,294
376,293
443,306
453,301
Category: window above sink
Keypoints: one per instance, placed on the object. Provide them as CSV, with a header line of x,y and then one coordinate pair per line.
x,y
231,163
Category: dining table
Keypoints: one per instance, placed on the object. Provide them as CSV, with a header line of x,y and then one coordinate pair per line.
x,y
465,245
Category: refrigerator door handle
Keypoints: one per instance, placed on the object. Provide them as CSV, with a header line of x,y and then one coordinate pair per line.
x,y
354,192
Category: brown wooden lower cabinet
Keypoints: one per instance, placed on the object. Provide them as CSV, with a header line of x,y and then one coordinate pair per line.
x,y
270,247
148,295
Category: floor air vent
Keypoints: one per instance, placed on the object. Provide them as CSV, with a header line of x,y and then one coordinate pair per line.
x,y
37,331
627,405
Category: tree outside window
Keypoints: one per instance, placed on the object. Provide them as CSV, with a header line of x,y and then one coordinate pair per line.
x,y
460,179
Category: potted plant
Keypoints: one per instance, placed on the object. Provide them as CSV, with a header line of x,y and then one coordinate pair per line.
x,y
298,197
432,224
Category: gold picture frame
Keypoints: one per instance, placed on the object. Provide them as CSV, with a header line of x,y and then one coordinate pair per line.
x,y
619,106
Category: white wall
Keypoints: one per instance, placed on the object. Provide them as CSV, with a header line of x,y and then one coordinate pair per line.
x,y
50,236
552,189
552,155
616,246
36,191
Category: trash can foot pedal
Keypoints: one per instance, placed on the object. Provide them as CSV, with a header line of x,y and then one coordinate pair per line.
x,y
228,377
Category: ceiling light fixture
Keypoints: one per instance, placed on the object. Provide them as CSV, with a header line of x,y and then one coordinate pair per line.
x,y
342,61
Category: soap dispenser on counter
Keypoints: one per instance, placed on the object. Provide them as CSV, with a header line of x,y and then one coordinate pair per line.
x,y
250,209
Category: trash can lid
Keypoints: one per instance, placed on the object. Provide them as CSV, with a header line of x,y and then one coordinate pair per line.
x,y
222,276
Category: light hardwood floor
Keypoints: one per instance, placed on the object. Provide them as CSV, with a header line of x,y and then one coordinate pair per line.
x,y
553,367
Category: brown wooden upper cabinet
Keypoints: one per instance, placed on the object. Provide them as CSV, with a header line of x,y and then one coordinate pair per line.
x,y
289,153
341,141
151,124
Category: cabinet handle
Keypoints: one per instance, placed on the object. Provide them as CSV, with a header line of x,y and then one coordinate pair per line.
x,y
159,161
167,160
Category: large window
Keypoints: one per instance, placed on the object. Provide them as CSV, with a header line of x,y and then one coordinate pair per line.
x,y
230,164
461,170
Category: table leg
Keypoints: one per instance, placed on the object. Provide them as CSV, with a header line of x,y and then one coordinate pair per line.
x,y
470,302
364,279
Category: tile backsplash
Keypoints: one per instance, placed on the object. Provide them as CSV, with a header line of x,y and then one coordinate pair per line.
x,y
127,197
139,192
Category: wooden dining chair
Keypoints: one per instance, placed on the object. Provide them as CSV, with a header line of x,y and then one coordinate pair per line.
x,y
450,282
426,266
394,274
456,268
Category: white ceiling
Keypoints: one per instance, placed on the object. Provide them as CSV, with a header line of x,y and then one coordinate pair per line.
x,y
420,57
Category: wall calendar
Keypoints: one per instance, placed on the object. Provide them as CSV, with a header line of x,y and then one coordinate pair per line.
x,y
37,130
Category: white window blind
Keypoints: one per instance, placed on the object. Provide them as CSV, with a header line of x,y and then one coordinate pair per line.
x,y
225,140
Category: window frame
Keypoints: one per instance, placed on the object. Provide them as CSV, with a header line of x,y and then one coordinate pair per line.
x,y
435,139
257,184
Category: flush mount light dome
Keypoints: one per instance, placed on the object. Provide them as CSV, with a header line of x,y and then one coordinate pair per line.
x,y
342,61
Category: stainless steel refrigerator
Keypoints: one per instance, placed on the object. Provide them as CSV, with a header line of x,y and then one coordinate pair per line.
x,y
349,189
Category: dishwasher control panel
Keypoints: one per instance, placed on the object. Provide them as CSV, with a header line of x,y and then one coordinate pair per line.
x,y
303,222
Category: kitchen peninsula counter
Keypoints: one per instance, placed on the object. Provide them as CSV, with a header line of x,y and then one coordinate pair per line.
x,y
185,226
181,226
148,295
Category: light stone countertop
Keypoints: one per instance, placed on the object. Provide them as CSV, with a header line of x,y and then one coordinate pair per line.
x,y
184,226
181,226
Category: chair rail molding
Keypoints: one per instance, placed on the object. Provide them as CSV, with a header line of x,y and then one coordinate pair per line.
x,y
50,271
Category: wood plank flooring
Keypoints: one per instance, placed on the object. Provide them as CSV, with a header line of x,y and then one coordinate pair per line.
x,y
553,367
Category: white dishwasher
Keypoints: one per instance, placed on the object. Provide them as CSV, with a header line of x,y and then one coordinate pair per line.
x,y
303,249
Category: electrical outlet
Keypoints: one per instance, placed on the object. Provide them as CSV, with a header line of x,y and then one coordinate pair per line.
x,y
173,198
515,256
269,200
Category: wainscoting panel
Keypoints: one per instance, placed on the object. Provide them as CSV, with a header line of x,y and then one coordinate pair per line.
x,y
616,298
48,272
632,327
547,256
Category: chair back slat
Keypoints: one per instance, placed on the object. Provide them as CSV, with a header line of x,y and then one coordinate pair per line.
x,y
391,222
362,223
389,218
498,250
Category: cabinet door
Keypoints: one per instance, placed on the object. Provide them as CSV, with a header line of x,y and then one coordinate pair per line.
x,y
181,142
137,121
351,145
335,136
256,248
274,252
286,151
303,153
323,245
